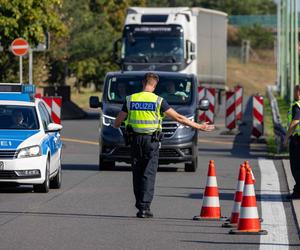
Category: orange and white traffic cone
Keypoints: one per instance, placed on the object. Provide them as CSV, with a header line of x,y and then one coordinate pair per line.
x,y
237,199
249,167
249,222
211,209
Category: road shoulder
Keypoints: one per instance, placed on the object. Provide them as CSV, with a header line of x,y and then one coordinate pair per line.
x,y
291,183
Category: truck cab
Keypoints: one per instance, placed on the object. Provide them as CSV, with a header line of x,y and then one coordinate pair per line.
x,y
179,143
176,39
160,39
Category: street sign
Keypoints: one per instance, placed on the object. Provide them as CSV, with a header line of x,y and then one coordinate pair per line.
x,y
19,47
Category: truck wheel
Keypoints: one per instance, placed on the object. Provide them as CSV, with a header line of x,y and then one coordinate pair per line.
x,y
44,187
191,167
106,165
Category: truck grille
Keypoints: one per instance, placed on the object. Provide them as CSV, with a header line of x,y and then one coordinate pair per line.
x,y
169,128
7,154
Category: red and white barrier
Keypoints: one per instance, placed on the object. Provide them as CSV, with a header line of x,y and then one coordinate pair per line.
x,y
230,110
53,105
258,116
48,103
201,95
210,113
238,103
56,109
210,94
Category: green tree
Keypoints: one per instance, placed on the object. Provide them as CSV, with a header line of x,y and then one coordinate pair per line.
x,y
29,19
231,7
94,26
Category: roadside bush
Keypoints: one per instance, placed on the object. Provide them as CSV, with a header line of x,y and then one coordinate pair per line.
x,y
260,37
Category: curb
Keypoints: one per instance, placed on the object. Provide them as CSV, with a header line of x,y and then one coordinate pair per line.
x,y
295,202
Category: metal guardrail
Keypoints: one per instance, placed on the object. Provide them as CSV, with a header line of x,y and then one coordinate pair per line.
x,y
279,130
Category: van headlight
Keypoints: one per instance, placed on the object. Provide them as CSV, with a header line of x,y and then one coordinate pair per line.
x,y
191,118
108,120
32,151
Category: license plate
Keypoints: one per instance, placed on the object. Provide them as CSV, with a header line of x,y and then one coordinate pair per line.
x,y
1,165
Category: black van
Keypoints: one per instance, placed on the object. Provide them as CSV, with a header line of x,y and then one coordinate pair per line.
x,y
179,144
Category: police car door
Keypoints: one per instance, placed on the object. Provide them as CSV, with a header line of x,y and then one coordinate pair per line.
x,y
51,140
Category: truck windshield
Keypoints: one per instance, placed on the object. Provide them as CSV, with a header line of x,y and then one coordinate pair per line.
x,y
18,117
176,90
143,44
160,49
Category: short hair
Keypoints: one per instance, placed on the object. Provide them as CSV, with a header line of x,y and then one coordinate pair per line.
x,y
297,87
150,76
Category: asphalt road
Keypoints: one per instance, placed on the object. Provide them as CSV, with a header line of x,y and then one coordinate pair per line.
x,y
95,210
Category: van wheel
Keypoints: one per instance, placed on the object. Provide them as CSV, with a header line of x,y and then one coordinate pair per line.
x,y
44,187
106,165
191,166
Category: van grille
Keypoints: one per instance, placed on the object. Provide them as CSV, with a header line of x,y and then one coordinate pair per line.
x,y
7,154
168,153
169,128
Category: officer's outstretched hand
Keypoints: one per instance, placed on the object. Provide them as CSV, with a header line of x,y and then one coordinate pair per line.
x,y
207,127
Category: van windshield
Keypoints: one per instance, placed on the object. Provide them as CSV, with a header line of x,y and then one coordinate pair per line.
x,y
176,90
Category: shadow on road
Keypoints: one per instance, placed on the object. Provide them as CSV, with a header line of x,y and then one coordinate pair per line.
x,y
230,196
14,189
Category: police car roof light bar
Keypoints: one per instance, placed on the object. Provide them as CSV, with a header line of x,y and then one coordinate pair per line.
x,y
17,88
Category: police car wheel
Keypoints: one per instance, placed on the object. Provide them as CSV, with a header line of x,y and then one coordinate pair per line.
x,y
56,181
44,187
106,165
191,167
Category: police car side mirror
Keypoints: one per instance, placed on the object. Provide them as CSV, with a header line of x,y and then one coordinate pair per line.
x,y
203,104
94,102
54,127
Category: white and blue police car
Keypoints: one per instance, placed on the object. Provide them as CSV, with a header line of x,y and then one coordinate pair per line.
x,y
30,144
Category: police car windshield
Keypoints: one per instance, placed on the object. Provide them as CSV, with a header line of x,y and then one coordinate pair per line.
x,y
18,117
176,90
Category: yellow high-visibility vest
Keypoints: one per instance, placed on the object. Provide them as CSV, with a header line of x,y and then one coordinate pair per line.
x,y
290,118
144,112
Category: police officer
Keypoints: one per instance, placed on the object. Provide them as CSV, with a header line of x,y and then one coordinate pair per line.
x,y
294,134
144,112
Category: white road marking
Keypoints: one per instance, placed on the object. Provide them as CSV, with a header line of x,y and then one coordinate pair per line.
x,y
273,210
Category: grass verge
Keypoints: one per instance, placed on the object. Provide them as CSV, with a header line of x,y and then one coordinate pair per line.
x,y
82,98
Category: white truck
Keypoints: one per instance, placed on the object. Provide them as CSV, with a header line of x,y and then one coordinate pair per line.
x,y
179,39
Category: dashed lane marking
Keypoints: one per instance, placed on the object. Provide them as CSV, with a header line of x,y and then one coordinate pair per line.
x,y
272,209
79,141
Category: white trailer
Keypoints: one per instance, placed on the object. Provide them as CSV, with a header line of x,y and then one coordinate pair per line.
x,y
183,39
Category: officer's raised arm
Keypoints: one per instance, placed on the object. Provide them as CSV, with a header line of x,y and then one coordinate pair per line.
x,y
183,120
120,118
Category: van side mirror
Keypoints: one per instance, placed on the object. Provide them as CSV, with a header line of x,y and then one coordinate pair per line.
x,y
95,103
203,104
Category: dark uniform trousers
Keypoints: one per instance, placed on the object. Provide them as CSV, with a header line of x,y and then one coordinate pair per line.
x,y
295,161
144,155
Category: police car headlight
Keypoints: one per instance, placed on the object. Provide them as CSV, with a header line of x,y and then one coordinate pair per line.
x,y
191,118
108,120
29,152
